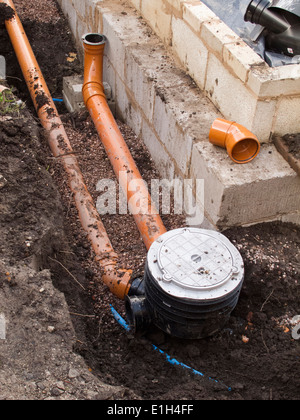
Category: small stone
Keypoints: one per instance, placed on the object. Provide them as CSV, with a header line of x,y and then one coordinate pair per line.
x,y
60,385
3,181
56,392
51,329
73,373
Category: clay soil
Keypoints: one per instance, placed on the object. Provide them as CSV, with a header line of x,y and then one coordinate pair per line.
x,y
62,340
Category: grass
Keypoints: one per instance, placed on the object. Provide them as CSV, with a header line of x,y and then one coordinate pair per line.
x,y
8,103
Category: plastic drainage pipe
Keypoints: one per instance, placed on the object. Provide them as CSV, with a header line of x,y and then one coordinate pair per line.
x,y
258,12
140,204
242,145
281,22
117,279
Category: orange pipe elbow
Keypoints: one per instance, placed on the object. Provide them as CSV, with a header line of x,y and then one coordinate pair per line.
x,y
242,145
117,279
145,214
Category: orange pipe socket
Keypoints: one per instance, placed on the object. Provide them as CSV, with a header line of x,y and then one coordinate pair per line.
x,y
144,212
242,145
118,280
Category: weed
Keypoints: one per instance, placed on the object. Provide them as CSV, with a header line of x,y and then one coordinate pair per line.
x,y
8,103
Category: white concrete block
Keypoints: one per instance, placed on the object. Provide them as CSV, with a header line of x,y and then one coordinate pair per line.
x,y
80,7
127,107
190,50
85,8
215,34
262,124
70,13
162,159
81,28
72,93
241,58
158,18
229,94
213,37
176,4
177,143
138,81
287,116
265,189
195,14
265,81
291,218
109,75
185,103
115,48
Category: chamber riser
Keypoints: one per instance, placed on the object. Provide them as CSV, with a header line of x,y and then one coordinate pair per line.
x,y
192,283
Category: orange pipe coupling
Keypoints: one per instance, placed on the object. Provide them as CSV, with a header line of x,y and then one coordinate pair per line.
x,y
117,279
140,204
242,145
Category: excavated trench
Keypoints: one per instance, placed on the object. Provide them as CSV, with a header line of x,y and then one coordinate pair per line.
x,y
255,355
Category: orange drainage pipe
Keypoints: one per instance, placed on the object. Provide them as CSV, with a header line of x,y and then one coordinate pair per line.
x,y
242,145
140,204
118,280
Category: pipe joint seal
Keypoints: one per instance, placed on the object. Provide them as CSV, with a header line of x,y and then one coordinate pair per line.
x,y
94,39
91,89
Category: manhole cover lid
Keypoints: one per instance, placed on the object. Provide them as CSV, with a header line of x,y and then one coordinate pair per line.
x,y
195,263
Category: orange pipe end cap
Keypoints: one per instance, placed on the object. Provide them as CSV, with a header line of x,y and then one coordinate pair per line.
x,y
242,145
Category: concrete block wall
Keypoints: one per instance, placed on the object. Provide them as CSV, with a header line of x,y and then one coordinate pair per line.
x,y
164,105
160,104
83,16
242,86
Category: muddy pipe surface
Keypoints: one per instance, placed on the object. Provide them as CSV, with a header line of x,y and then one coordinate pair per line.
x,y
117,279
139,200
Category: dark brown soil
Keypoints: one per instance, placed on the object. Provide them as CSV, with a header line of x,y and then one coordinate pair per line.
x,y
6,13
255,355
292,141
289,147
51,42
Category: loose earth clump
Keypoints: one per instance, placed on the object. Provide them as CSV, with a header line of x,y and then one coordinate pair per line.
x,y
62,340
6,13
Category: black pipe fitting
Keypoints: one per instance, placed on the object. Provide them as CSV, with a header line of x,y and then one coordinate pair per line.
x,y
282,27
137,287
258,12
175,316
138,314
